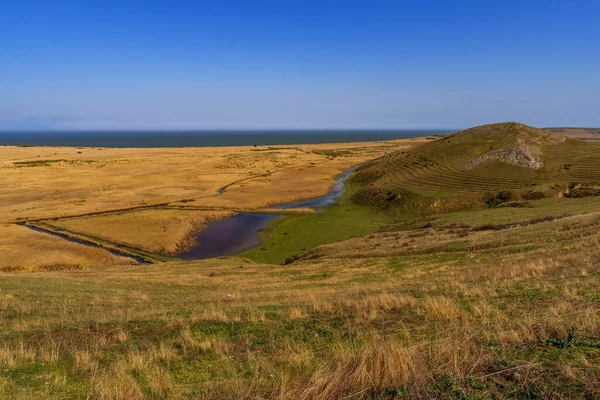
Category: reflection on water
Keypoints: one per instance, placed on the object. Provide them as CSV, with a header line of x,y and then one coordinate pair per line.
x,y
336,191
241,232
229,236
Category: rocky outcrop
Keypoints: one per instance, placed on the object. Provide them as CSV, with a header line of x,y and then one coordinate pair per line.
x,y
519,144
520,154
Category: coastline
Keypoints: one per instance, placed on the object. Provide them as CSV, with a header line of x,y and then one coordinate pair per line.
x,y
183,139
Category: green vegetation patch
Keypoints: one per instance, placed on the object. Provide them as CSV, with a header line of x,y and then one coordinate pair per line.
x,y
333,153
290,237
38,163
535,209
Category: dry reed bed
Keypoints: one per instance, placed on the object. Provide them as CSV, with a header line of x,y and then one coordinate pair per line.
x,y
246,210
162,231
95,180
22,249
96,213
72,183
82,239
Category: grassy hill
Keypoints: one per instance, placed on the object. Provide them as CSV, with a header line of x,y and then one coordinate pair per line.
x,y
494,303
427,293
497,157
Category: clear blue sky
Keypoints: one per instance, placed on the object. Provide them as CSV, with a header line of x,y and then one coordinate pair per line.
x,y
298,64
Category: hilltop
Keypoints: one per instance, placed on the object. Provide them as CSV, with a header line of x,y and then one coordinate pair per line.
x,y
511,143
485,159
508,132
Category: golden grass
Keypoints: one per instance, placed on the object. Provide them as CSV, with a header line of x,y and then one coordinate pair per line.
x,y
444,311
82,181
91,180
159,231
435,321
22,249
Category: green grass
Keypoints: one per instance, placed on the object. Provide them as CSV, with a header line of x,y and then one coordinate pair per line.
x,y
539,208
333,153
437,168
37,163
423,309
288,238
47,163
295,235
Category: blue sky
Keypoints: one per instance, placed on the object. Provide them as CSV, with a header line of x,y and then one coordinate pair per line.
x,y
305,64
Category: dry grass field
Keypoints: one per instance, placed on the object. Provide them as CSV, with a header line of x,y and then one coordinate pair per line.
x,y
54,182
431,279
22,249
156,230
73,181
448,310
578,133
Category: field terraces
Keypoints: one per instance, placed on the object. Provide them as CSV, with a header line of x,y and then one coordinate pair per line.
x,y
475,161
438,293
576,161
441,176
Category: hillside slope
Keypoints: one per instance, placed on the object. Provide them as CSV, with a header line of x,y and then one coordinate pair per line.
x,y
497,157
487,304
481,304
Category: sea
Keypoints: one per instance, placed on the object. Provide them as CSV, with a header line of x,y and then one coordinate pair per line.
x,y
204,138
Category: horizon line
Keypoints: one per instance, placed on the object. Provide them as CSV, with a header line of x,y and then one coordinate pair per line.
x,y
258,130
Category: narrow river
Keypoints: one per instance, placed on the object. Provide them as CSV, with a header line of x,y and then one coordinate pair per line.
x,y
242,231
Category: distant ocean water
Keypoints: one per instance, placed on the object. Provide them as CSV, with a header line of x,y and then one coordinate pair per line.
x,y
203,138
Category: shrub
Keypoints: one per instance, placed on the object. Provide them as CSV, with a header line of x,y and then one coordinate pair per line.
x,y
290,260
533,195
390,196
505,195
585,192
383,199
514,204
493,199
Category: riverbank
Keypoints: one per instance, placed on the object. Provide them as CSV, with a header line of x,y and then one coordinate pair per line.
x,y
105,194
242,231
446,310
221,138
287,238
